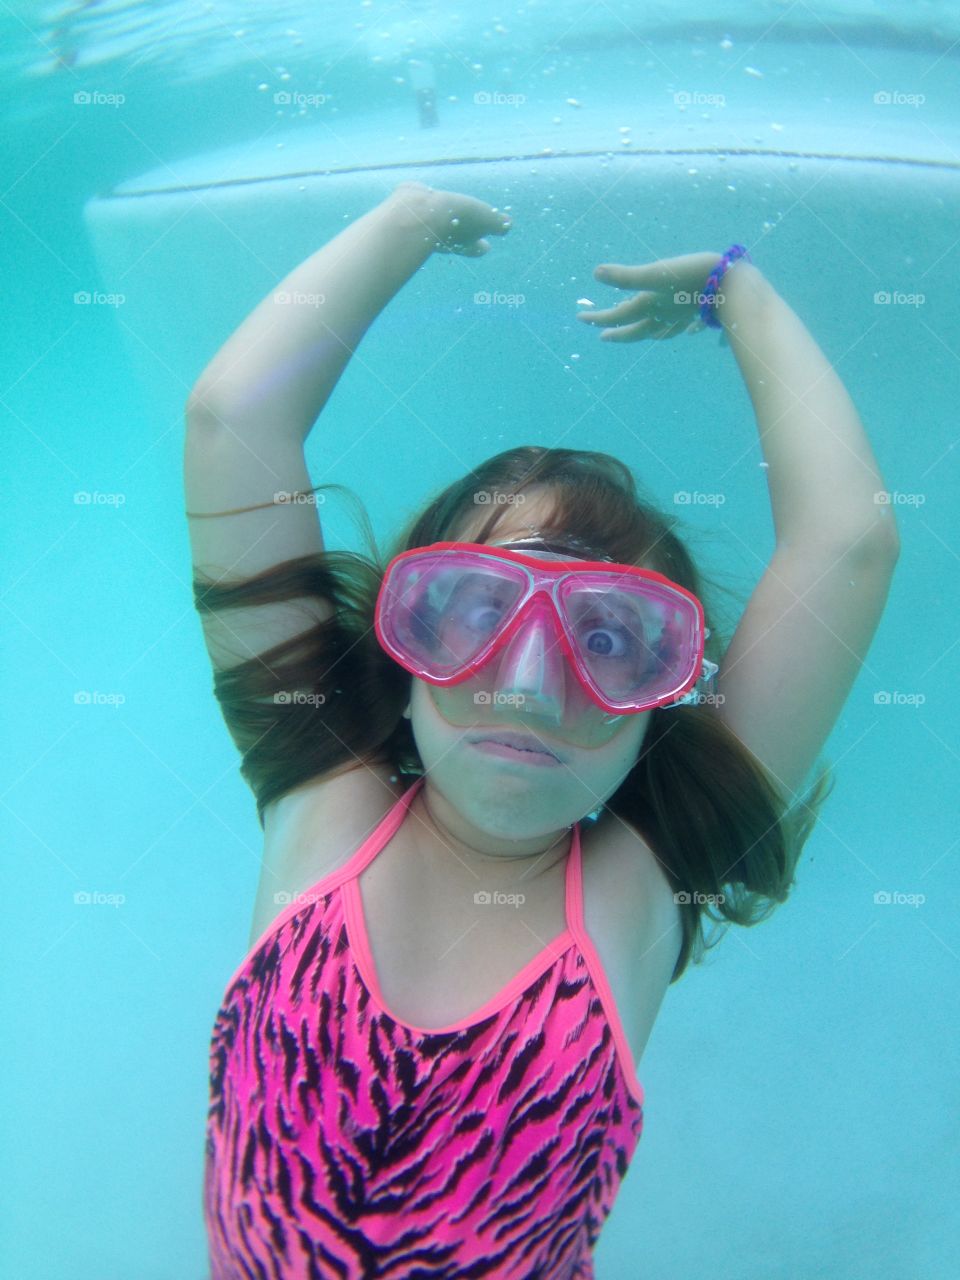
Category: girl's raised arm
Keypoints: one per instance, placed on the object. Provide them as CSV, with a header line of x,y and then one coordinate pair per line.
x,y
253,406
810,620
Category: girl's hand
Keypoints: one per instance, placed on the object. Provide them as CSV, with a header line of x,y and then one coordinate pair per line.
x,y
669,301
457,223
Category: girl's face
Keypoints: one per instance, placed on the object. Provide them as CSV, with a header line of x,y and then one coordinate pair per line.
x,y
511,799
487,799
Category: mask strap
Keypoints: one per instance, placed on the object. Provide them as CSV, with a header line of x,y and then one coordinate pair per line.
x,y
574,548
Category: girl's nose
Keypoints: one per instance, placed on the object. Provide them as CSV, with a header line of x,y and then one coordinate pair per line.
x,y
530,674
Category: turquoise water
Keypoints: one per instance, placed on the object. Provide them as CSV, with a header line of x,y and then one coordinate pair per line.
x,y
800,1086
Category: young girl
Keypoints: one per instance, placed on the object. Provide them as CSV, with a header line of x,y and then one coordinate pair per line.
x,y
496,796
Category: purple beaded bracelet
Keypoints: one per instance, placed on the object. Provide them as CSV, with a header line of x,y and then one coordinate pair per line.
x,y
708,312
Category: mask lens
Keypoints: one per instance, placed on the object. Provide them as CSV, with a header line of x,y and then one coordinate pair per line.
x,y
441,614
635,640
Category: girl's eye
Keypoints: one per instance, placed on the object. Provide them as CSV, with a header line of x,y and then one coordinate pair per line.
x,y
483,618
478,606
605,642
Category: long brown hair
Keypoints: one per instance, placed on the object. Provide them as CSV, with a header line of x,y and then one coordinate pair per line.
x,y
722,831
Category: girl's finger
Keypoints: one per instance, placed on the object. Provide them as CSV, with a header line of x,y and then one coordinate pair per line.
x,y
629,332
629,309
645,277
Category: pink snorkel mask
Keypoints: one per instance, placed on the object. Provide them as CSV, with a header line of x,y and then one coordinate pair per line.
x,y
562,645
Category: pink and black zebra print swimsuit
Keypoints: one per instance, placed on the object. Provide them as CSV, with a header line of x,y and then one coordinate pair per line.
x,y
342,1142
